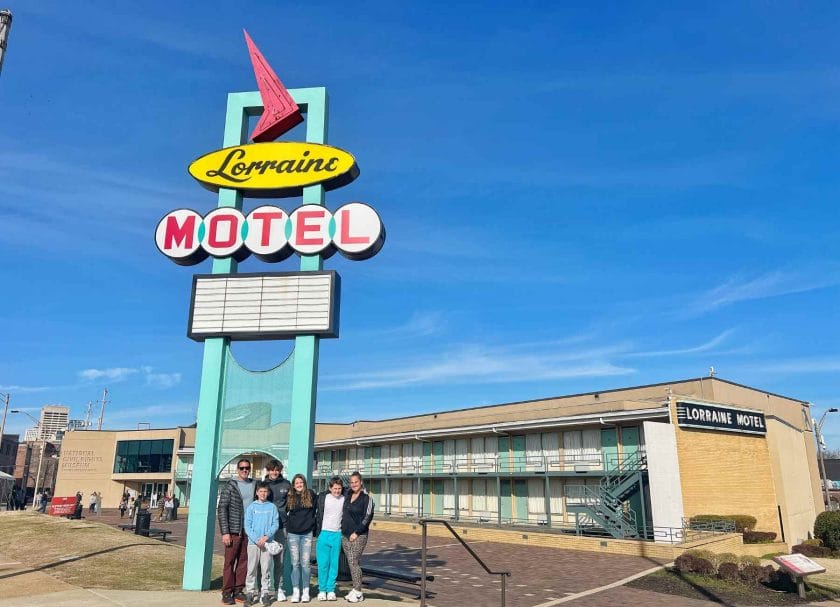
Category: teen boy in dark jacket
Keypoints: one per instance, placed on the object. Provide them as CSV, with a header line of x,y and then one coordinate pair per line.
x,y
278,490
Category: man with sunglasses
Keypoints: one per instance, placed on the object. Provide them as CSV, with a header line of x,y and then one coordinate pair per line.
x,y
234,497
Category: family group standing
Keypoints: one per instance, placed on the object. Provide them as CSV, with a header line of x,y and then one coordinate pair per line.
x,y
262,521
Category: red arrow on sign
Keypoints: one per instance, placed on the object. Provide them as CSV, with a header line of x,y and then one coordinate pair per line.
x,y
280,112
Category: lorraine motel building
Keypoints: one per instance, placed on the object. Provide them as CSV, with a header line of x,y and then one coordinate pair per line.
x,y
631,463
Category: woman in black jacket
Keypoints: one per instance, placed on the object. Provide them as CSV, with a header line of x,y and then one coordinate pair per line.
x,y
355,521
302,514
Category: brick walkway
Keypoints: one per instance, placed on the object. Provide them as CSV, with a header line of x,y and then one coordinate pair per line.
x,y
540,576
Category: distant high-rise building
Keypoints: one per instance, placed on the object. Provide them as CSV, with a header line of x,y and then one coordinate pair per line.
x,y
53,421
31,434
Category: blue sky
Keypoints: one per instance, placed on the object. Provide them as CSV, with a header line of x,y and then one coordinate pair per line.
x,y
578,197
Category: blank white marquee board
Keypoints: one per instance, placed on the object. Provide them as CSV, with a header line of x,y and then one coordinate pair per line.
x,y
277,305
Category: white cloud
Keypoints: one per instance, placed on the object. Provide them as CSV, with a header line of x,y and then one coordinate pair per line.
x,y
118,374
770,284
113,374
482,364
163,380
25,389
704,347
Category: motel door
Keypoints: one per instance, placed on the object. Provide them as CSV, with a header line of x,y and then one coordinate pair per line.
x,y
520,494
504,453
609,447
518,453
437,488
630,440
507,504
437,446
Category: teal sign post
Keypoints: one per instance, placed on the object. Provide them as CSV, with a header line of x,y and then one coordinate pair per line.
x,y
273,411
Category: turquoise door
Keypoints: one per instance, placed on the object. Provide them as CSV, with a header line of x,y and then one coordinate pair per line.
x,y
427,458
630,440
437,448
609,448
427,496
437,487
504,454
518,452
520,494
507,504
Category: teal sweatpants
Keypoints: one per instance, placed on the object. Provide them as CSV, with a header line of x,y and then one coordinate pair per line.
x,y
326,552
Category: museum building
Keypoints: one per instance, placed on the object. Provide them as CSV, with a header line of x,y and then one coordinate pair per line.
x,y
632,463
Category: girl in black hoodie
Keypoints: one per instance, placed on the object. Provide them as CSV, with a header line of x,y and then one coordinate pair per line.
x,y
355,521
302,513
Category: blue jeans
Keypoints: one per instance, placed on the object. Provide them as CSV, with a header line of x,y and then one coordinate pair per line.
x,y
300,551
327,551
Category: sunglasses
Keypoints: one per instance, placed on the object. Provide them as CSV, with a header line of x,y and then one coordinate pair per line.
x,y
244,467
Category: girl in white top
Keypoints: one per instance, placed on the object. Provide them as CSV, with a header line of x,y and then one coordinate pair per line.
x,y
328,530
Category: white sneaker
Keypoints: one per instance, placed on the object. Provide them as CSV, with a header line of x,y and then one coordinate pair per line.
x,y
331,596
280,596
295,595
304,597
322,596
354,596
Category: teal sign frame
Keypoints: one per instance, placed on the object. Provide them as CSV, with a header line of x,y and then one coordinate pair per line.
x,y
202,511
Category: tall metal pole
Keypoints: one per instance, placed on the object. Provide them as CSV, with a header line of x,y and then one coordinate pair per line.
x,y
6,398
102,409
820,449
40,463
5,26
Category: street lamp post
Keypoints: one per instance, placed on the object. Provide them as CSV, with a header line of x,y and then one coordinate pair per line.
x,y
821,448
40,459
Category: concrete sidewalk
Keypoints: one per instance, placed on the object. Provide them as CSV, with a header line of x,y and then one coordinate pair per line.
x,y
79,597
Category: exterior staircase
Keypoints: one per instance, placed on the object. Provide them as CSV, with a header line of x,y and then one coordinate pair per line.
x,y
607,505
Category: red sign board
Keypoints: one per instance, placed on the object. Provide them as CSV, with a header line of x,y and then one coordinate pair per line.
x,y
62,506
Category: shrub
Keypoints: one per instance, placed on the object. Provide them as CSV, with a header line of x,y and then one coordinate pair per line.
x,y
684,563
729,572
702,554
747,559
813,542
726,557
827,528
781,580
743,522
812,551
753,574
703,567
759,537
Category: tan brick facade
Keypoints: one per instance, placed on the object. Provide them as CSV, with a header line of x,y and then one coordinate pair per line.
x,y
726,473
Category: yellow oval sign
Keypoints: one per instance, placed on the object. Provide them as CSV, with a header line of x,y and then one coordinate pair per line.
x,y
276,169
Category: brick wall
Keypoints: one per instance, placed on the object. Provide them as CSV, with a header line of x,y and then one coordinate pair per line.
x,y
726,473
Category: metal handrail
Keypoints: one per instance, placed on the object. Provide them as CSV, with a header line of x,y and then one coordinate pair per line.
x,y
437,521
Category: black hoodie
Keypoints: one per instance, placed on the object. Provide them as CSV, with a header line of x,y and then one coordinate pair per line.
x,y
301,521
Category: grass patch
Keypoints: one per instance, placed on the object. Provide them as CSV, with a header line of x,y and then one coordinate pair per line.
x,y
92,555
769,556
708,588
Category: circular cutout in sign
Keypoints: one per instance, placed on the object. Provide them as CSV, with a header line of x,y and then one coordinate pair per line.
x,y
359,233
176,236
267,233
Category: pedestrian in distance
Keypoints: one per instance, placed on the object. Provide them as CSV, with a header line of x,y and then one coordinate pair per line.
x,y
167,507
92,502
175,503
278,491
328,532
355,521
261,523
234,498
302,516
98,495
161,507
131,505
123,506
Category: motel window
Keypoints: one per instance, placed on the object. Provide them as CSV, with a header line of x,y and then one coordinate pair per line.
x,y
143,456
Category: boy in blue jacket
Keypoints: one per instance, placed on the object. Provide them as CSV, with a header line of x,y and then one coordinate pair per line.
x,y
261,523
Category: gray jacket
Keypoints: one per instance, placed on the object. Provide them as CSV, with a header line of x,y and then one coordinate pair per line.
x,y
230,511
